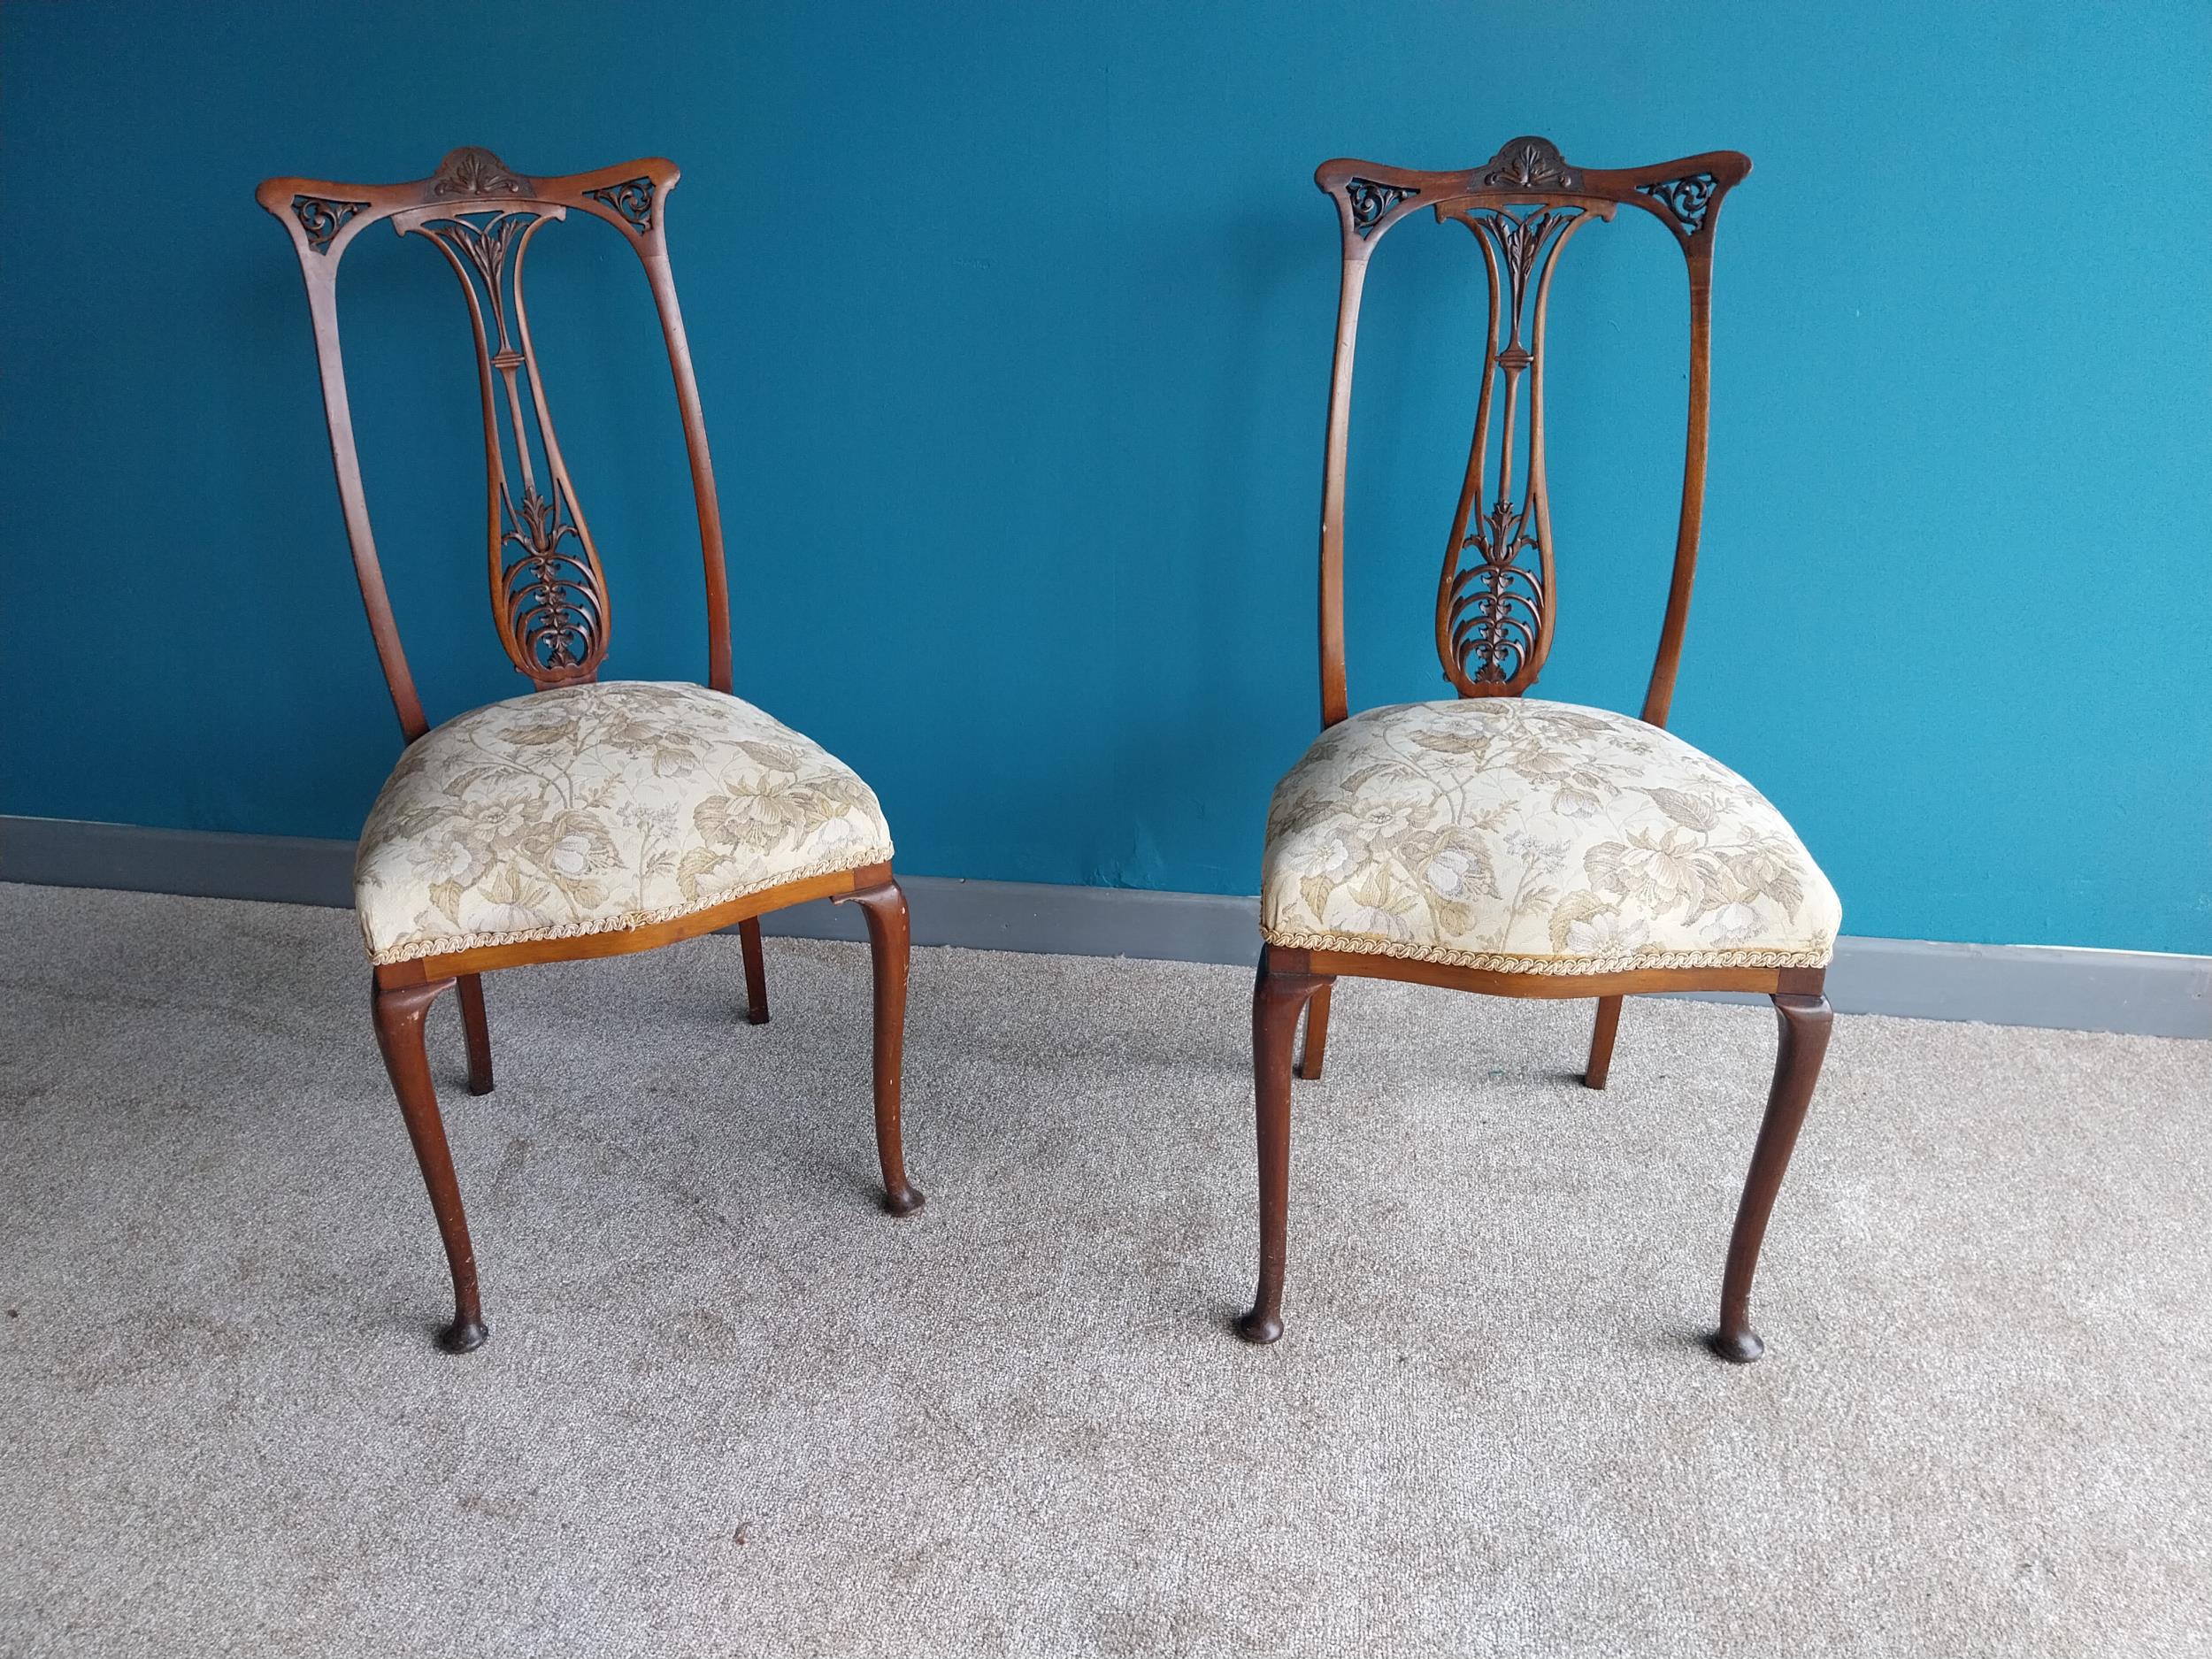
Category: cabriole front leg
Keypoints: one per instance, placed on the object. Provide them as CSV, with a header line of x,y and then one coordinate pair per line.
x,y
1278,996
1805,1022
884,909
399,1011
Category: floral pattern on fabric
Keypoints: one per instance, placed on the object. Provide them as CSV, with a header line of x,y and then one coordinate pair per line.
x,y
1519,835
593,808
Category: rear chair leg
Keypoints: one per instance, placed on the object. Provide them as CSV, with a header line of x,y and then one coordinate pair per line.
x,y
1311,1056
477,1031
1277,998
1593,1075
756,972
399,1011
885,909
1805,1022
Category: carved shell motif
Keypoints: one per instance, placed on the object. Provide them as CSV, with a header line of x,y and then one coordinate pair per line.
x,y
1531,164
473,171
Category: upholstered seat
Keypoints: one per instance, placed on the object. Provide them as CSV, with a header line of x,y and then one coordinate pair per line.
x,y
593,808
1518,835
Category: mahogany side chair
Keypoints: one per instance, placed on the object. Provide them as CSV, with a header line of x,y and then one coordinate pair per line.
x,y
589,818
1496,842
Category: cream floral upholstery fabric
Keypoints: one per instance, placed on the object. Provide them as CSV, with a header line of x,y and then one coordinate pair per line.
x,y
590,808
1533,837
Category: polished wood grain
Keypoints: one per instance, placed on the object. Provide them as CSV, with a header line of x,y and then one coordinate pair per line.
x,y
629,941
883,905
756,972
478,1031
1280,992
1805,1023
1313,1053
398,1011
1554,986
551,609
1607,1025
1495,615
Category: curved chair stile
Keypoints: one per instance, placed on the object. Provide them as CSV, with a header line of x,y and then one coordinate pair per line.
x,y
586,818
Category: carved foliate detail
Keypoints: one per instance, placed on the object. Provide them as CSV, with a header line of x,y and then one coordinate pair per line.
x,y
1495,605
1687,199
553,604
474,170
632,198
1531,164
487,247
1521,238
322,218
548,595
1494,597
1371,201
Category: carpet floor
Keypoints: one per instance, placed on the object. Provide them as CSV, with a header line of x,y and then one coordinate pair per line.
x,y
729,1407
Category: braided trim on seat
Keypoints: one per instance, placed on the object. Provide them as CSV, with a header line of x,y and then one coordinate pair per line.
x,y
1495,962
446,944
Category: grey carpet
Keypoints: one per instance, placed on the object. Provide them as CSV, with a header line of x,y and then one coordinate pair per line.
x,y
728,1408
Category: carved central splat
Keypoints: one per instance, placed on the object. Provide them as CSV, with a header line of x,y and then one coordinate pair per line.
x,y
1493,616
548,594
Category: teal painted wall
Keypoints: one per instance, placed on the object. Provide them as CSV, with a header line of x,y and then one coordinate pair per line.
x,y
1013,323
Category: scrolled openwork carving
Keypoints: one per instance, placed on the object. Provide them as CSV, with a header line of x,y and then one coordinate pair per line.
x,y
472,170
1520,238
1688,199
1495,605
1371,201
549,595
1531,164
1494,596
322,219
487,247
632,198
554,607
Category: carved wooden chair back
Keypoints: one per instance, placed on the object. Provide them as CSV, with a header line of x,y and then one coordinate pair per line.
x,y
549,601
1495,599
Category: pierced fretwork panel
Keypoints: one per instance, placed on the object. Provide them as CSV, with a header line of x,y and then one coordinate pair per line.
x,y
548,594
1493,606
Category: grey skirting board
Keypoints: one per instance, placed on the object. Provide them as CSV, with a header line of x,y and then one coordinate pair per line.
x,y
2142,993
